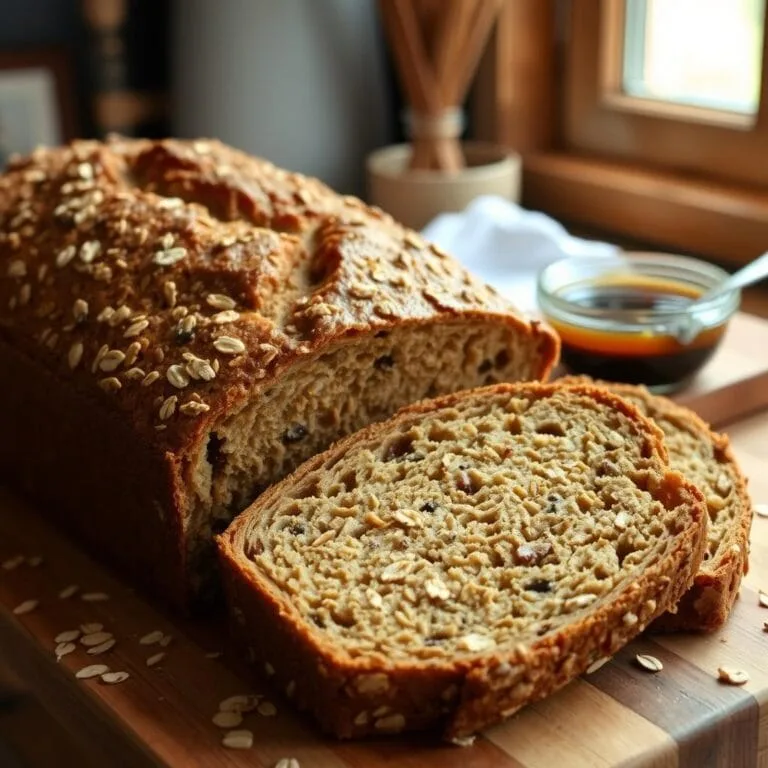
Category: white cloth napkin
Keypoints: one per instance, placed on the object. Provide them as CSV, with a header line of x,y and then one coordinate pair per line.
x,y
507,246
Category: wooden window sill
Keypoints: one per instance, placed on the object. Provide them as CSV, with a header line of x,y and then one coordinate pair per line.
x,y
723,222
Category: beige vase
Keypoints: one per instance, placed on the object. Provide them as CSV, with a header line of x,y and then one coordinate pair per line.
x,y
416,197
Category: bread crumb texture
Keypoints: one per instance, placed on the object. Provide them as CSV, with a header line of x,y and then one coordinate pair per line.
x,y
500,517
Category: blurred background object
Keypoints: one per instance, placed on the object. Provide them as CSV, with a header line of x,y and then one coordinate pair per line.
x,y
128,68
639,122
437,46
301,82
82,68
37,99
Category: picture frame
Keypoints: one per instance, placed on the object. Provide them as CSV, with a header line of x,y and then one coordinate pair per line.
x,y
36,100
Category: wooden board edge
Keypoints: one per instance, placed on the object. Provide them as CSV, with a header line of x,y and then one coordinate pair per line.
x,y
732,403
70,705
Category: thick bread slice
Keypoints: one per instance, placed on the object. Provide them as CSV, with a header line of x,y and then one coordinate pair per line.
x,y
181,325
468,556
706,459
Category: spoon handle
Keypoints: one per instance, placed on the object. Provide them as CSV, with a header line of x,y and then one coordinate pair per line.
x,y
754,271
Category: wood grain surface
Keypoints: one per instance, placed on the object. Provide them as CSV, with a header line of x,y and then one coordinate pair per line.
x,y
618,715
735,381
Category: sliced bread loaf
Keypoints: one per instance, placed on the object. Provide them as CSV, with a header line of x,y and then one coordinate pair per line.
x,y
186,324
706,459
470,555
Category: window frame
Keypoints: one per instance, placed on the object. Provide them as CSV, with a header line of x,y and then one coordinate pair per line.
x,y
599,118
599,160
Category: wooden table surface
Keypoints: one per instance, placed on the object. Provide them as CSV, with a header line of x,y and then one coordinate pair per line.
x,y
619,715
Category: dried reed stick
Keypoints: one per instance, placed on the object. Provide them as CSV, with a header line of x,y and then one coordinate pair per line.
x,y
437,49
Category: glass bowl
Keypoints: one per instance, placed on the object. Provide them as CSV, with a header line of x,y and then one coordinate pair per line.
x,y
626,318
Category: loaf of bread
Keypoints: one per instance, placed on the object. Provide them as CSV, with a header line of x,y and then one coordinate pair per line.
x,y
181,325
470,555
706,459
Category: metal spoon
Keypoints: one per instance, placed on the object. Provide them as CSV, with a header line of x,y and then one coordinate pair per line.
x,y
756,270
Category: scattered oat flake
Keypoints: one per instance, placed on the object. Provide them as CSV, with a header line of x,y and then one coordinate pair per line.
x,y
177,376
649,663
92,670
94,597
213,655
156,659
289,762
103,648
35,561
194,408
241,702
761,510
595,665
229,345
168,407
152,638
26,607
95,638
166,640
732,676
267,709
227,719
169,256
67,636
64,649
220,301
226,316
112,678
68,592
135,328
91,627
238,740
13,562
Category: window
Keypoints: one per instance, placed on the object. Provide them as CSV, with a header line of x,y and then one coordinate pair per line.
x,y
602,117
701,53
652,125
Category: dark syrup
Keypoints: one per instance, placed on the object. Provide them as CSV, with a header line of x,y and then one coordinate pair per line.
x,y
655,360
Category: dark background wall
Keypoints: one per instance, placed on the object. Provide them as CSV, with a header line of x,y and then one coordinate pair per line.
x,y
62,25
306,83
39,22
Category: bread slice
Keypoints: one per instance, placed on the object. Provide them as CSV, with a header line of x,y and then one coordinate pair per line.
x,y
706,459
470,555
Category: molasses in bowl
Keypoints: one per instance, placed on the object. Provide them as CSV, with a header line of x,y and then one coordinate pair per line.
x,y
628,317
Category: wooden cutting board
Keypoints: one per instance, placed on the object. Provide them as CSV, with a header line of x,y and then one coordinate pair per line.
x,y
161,715
735,382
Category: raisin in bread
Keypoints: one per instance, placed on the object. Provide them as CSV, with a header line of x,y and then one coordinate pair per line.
x,y
470,555
706,459
181,325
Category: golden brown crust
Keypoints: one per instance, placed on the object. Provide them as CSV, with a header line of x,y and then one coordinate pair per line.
x,y
458,695
163,282
708,603
140,264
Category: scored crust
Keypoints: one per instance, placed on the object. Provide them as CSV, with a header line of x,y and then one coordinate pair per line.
x,y
705,457
163,304
315,638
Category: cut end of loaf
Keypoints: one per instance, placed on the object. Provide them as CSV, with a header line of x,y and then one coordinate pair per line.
x,y
466,557
315,402
706,459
